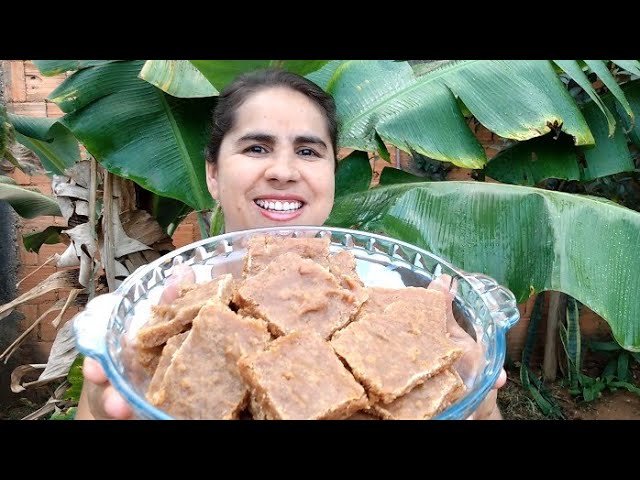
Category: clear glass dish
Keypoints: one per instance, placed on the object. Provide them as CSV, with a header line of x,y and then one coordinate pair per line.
x,y
483,308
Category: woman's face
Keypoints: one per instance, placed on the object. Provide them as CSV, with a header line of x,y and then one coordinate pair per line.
x,y
276,166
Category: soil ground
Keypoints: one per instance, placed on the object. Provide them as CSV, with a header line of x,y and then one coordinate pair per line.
x,y
517,404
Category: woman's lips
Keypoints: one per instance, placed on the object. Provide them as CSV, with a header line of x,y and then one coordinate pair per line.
x,y
280,214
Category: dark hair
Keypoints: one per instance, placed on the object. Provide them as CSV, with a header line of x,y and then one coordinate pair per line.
x,y
234,95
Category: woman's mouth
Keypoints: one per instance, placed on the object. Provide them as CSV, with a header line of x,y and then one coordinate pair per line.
x,y
279,205
279,210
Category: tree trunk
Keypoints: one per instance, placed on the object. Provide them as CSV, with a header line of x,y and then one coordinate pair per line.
x,y
557,311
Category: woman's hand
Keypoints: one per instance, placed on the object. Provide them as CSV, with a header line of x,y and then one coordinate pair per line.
x,y
99,400
469,364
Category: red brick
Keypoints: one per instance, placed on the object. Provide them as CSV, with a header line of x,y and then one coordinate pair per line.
x,y
21,177
59,221
31,225
457,173
42,183
53,110
32,109
187,232
47,250
490,152
38,86
483,135
47,332
593,325
34,280
28,259
30,313
183,236
17,83
344,152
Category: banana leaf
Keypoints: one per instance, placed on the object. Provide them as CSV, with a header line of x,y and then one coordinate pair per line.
x,y
609,155
353,174
222,72
178,78
526,238
632,92
168,212
631,66
54,145
573,69
54,67
28,203
50,235
137,131
517,99
599,67
530,162
8,180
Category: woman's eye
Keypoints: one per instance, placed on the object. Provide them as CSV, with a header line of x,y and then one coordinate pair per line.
x,y
256,149
305,152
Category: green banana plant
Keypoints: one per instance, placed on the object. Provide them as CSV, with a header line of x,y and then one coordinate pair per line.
x,y
528,239
27,203
221,72
421,107
531,161
137,131
178,78
54,145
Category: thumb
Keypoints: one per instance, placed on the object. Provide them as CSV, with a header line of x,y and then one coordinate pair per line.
x,y
180,275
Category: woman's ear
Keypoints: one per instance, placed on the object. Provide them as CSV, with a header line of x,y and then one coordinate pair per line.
x,y
212,180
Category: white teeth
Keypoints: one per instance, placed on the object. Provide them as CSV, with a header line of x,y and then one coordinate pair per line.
x,y
278,205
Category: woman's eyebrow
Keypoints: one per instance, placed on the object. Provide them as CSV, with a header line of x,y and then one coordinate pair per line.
x,y
257,137
310,139
267,138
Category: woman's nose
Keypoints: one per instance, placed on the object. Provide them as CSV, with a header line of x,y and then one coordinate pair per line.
x,y
283,169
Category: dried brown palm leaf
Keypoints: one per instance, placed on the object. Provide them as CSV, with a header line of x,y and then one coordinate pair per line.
x,y
18,341
84,243
71,300
62,189
46,262
21,371
80,173
66,279
76,298
82,208
57,399
68,258
123,243
63,353
141,226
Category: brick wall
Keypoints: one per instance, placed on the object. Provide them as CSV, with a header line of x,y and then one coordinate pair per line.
x,y
25,92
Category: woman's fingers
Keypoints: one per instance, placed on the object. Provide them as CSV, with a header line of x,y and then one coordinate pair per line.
x,y
114,405
181,274
502,379
93,371
104,401
442,283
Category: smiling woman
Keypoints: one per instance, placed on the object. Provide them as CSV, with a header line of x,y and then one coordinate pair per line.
x,y
272,155
271,162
